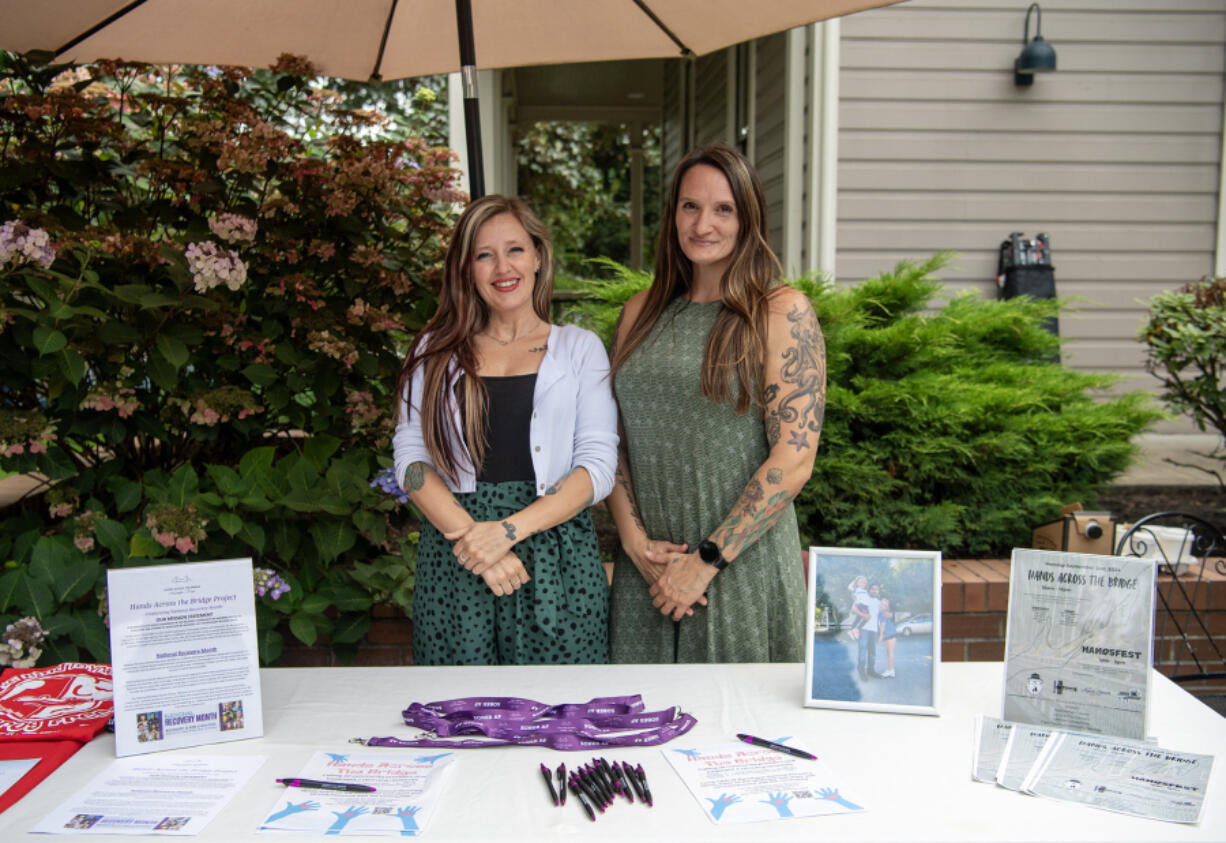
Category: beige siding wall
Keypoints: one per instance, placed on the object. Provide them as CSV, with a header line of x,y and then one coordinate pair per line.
x,y
1115,155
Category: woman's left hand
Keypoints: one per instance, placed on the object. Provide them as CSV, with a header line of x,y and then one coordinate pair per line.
x,y
683,583
483,543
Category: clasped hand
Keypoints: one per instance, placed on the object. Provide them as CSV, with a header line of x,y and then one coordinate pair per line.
x,y
484,547
682,584
481,544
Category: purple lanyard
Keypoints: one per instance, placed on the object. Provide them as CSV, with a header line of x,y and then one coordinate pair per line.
x,y
600,722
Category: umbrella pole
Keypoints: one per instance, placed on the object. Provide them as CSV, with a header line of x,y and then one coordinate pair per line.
x,y
472,109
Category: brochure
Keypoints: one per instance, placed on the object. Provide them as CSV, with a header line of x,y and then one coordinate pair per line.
x,y
1129,777
1080,642
163,795
739,783
406,786
183,650
991,738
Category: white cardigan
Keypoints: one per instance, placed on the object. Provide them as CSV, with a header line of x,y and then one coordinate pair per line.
x,y
574,418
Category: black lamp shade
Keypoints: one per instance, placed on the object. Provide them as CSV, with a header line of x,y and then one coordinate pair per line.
x,y
1036,56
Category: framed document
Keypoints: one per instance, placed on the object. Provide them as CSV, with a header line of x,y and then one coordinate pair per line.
x,y
183,653
874,630
1080,642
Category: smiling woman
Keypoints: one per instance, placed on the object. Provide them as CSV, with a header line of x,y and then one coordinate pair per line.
x,y
720,374
506,434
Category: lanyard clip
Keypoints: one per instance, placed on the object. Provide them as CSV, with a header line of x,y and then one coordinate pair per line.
x,y
361,741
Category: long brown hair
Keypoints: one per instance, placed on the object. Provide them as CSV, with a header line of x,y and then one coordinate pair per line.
x,y
738,338
450,333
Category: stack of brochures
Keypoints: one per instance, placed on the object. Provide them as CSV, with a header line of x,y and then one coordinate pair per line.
x,y
1127,776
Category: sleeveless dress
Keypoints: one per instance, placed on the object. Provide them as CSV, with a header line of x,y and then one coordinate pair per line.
x,y
689,462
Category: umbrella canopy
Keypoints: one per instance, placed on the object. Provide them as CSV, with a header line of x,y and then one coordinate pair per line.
x,y
392,39
346,37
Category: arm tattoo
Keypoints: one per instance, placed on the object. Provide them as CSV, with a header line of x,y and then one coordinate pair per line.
x,y
415,477
803,378
510,528
742,530
774,476
553,490
752,496
623,480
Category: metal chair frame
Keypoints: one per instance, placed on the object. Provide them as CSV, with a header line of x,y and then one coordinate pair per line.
x,y
1201,541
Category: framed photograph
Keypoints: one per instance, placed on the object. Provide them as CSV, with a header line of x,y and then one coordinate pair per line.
x,y
874,630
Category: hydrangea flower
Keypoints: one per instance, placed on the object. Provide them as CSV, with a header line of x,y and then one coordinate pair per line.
x,y
386,481
212,266
233,228
21,244
20,645
177,527
269,583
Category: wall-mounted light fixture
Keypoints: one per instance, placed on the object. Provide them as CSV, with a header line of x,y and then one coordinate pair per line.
x,y
1037,56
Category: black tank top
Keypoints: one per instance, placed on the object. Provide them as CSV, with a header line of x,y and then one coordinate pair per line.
x,y
508,449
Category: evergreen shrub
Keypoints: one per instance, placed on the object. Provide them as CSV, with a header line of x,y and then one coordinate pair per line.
x,y
948,426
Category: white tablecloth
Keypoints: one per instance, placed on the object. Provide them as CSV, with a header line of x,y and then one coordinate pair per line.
x,y
912,772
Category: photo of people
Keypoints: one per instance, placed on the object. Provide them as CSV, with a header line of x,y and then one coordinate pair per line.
x,y
230,715
81,821
873,643
172,824
149,726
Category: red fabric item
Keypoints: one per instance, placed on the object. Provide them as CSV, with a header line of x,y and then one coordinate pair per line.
x,y
51,754
67,701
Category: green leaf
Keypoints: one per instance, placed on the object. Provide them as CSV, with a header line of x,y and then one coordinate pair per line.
x,y
227,479
332,538
144,545
72,364
184,486
8,588
48,340
175,352
261,374
113,536
351,628
33,597
255,461
58,651
350,598
75,580
162,372
303,628
229,522
314,604
93,636
253,534
270,644
127,493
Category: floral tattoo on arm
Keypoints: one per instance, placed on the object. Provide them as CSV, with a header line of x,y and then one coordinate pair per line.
x,y
415,477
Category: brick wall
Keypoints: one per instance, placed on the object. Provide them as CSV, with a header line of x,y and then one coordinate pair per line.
x,y
974,604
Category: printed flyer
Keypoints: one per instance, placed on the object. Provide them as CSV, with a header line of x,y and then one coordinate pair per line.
x,y
1080,642
183,651
405,788
738,783
175,795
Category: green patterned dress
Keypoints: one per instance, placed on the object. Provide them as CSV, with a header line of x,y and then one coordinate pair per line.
x,y
690,459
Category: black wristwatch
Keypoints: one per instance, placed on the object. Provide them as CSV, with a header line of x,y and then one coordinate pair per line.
x,y
709,552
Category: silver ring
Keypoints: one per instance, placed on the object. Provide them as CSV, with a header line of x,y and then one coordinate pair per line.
x,y
463,557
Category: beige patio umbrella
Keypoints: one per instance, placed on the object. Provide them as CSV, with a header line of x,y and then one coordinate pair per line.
x,y
393,39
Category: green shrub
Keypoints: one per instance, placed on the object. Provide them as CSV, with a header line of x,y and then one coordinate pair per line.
x,y
1186,340
207,280
947,429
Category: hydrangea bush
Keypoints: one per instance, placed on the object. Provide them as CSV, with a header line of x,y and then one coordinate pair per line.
x,y
208,278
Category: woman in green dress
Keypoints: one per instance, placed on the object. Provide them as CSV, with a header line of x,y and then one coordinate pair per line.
x,y
720,377
506,433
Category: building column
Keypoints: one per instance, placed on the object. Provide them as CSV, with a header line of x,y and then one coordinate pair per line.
x,y
823,170
636,196
792,246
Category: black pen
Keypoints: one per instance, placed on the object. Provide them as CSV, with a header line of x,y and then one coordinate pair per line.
x,y
628,775
548,776
646,790
778,747
562,782
318,785
579,795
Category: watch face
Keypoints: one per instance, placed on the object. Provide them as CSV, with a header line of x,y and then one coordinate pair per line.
x,y
708,552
